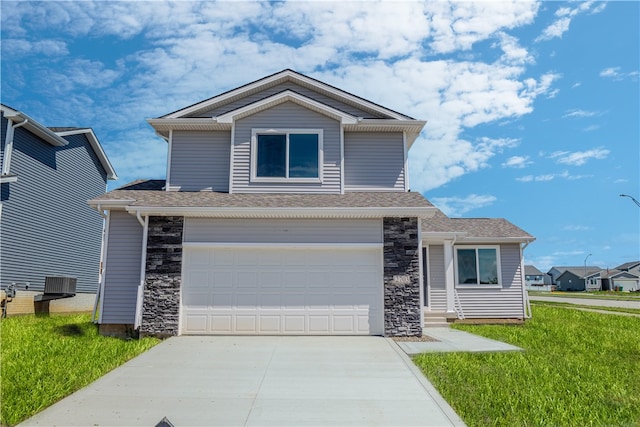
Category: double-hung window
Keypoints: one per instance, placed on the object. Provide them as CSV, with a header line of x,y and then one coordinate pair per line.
x,y
286,155
477,266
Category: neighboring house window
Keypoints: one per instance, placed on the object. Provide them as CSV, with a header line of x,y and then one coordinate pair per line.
x,y
286,155
478,266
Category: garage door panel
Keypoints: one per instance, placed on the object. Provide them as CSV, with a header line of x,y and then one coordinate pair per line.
x,y
282,291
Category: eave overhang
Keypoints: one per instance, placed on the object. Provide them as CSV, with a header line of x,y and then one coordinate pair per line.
x,y
215,212
33,126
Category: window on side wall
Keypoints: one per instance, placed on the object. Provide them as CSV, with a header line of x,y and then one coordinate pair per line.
x,y
478,266
286,155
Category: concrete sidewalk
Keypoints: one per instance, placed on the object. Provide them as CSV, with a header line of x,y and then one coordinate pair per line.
x,y
593,301
450,340
259,381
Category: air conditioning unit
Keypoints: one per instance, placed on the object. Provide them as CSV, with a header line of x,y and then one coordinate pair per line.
x,y
60,285
57,287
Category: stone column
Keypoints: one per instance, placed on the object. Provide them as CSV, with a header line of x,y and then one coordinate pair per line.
x,y
161,300
402,306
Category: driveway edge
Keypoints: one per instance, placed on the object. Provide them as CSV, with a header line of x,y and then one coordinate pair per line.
x,y
426,384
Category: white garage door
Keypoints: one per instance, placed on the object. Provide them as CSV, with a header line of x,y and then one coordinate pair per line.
x,y
275,290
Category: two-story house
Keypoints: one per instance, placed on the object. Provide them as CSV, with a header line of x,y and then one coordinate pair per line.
x,y
46,227
287,210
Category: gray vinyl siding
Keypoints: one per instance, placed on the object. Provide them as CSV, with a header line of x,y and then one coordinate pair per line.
x,y
206,230
122,268
200,161
296,88
373,161
504,302
47,228
437,292
286,116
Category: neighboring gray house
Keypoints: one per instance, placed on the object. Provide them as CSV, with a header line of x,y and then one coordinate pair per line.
x,y
46,227
573,278
287,210
535,279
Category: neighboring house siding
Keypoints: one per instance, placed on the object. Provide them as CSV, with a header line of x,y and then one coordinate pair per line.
x,y
122,268
282,231
200,161
437,292
286,116
504,302
47,227
296,88
373,161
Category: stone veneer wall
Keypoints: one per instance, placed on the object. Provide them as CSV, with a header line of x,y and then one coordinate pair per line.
x,y
402,306
161,301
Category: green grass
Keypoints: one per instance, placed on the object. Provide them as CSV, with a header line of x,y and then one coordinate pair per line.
x,y
44,359
579,369
585,305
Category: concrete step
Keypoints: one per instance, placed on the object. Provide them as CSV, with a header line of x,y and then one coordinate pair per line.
x,y
434,320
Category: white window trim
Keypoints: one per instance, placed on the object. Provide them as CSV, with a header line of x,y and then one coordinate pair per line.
x,y
254,155
478,286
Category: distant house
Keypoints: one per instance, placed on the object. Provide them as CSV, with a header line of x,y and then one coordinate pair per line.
x,y
572,278
534,279
46,226
627,277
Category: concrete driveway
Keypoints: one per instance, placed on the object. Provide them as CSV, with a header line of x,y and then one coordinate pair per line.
x,y
259,381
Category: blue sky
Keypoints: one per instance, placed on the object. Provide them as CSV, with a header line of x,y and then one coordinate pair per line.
x,y
532,107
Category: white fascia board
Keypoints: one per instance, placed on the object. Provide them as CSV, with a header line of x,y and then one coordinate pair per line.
x,y
33,126
219,212
490,240
190,123
109,204
287,96
284,75
97,148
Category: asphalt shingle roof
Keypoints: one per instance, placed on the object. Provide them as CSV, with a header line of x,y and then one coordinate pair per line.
x,y
151,194
531,270
474,227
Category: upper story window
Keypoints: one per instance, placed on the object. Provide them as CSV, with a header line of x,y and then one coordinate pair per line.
x,y
286,155
477,266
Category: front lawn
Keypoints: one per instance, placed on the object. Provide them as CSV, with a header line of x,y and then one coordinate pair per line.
x,y
579,368
44,359
608,295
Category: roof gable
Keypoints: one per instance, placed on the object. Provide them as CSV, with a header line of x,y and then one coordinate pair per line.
x,y
283,76
95,144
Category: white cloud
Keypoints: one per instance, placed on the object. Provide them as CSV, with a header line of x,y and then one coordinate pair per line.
x,y
579,158
457,206
20,47
577,228
564,16
550,177
579,113
517,162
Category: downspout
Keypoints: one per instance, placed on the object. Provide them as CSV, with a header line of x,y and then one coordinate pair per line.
x,y
102,264
143,270
450,277
526,309
8,144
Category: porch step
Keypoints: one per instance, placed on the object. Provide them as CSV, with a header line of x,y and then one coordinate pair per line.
x,y
435,320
